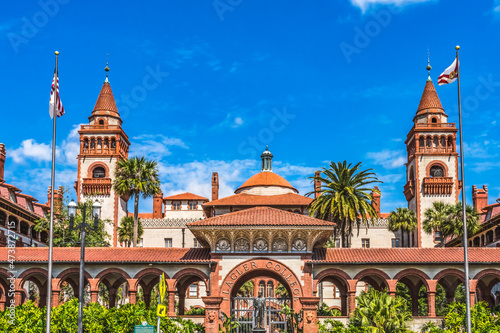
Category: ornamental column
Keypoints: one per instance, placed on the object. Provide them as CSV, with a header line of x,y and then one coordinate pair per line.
x,y
212,308
351,300
171,303
310,308
431,297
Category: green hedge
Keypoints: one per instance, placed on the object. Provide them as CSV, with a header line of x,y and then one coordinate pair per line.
x,y
30,318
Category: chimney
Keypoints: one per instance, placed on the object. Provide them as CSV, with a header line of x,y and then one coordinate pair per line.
x,y
376,199
2,161
479,198
58,199
215,186
158,206
317,184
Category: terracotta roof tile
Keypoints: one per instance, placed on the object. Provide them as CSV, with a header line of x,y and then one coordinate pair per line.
x,y
106,102
429,100
108,254
261,216
266,179
452,255
185,196
142,215
244,199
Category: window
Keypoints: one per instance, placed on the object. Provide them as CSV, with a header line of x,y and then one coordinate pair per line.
x,y
337,242
13,197
270,289
101,122
30,205
395,242
193,290
434,120
365,243
141,242
262,288
192,205
437,237
436,171
196,243
336,292
168,242
176,205
99,172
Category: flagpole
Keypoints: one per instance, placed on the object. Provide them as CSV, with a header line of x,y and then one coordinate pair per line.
x,y
51,228
464,215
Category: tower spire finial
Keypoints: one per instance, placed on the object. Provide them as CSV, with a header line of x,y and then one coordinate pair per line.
x,y
428,66
267,158
107,67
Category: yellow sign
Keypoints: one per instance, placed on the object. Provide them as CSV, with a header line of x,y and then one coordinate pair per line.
x,y
162,310
163,287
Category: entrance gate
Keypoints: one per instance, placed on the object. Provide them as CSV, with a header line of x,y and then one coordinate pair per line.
x,y
243,311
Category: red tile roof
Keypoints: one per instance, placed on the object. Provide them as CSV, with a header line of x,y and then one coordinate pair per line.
x,y
266,178
109,255
261,216
244,199
185,196
106,104
451,255
142,215
429,100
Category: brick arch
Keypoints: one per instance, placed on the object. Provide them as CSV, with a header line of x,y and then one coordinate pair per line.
x,y
490,271
187,272
148,271
70,271
113,270
256,267
450,271
438,163
337,274
94,165
24,276
373,272
415,272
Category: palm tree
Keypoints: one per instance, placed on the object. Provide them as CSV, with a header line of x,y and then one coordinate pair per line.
x,y
345,197
436,218
379,312
126,230
134,177
454,223
403,219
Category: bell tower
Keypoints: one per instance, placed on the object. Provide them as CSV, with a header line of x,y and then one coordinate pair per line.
x,y
102,143
432,165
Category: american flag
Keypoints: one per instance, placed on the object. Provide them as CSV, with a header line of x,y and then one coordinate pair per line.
x,y
60,107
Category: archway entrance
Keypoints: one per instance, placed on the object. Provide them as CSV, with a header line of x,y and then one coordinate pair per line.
x,y
239,297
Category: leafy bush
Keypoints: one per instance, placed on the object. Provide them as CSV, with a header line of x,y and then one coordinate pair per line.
x,y
195,311
96,319
324,310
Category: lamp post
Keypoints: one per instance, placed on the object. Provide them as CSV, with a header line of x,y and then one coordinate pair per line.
x,y
96,212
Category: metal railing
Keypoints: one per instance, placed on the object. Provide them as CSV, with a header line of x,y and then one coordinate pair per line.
x,y
243,311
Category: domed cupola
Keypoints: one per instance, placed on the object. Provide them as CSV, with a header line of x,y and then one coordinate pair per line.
x,y
266,182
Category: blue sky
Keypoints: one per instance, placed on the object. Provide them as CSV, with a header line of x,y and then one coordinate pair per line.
x,y
316,81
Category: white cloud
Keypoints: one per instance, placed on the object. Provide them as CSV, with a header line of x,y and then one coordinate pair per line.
x,y
365,4
154,146
66,152
31,150
391,178
238,121
389,159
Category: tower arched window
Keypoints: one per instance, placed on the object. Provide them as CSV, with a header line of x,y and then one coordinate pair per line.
x,y
101,122
436,171
262,288
99,172
434,120
270,289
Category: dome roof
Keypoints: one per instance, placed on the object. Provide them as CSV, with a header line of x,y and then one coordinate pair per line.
x,y
266,178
